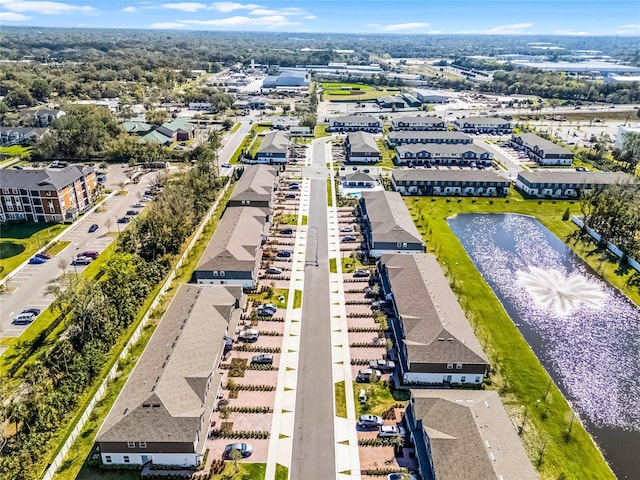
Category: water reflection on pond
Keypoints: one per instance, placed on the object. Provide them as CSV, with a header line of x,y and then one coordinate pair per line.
x,y
585,332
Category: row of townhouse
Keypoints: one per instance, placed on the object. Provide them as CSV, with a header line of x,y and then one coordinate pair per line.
x,y
474,183
456,433
273,149
361,147
19,135
542,151
163,414
46,195
467,155
567,184
368,123
408,137
233,254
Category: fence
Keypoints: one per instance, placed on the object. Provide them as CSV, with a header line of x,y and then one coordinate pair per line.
x,y
59,458
610,246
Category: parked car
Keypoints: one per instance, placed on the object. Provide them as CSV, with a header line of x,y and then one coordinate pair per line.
x,y
93,228
391,431
80,260
226,165
349,238
274,271
245,450
124,220
37,260
90,253
370,421
137,205
401,476
283,253
361,272
23,319
290,196
249,335
380,304
347,229
383,365
34,311
366,375
286,231
262,359
267,310
46,256
132,212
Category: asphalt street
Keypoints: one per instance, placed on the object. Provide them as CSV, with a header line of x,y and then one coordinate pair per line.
x,y
313,453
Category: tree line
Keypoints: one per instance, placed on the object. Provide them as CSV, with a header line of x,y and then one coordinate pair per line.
x,y
40,399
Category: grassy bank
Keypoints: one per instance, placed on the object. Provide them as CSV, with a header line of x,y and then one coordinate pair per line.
x,y
518,374
340,399
18,241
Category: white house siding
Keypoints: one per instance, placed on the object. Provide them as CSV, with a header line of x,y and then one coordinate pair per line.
x,y
377,252
359,159
555,161
438,378
245,283
178,459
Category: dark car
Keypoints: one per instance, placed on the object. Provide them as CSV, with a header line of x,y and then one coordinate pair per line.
x,y
283,254
34,311
245,449
124,220
289,196
262,359
93,228
46,256
349,238
90,253
286,231
37,260
132,212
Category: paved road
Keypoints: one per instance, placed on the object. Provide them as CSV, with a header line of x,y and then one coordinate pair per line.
x,y
230,144
313,455
28,284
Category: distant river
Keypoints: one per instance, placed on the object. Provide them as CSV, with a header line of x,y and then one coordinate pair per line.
x,y
585,332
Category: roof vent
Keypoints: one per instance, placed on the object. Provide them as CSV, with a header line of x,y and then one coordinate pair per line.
x,y
441,339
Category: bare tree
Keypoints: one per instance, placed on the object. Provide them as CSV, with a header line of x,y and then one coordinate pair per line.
x,y
108,223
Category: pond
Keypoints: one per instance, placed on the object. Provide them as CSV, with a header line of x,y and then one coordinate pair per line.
x,y
585,332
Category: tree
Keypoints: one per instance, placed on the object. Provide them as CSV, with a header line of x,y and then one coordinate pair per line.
x,y
19,96
156,117
235,456
40,89
108,223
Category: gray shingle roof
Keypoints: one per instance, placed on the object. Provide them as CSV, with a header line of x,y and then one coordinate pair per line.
x,y
255,184
359,176
357,119
589,178
162,400
441,148
532,140
389,218
483,121
436,329
428,120
420,175
274,142
471,436
362,142
398,135
236,241
43,179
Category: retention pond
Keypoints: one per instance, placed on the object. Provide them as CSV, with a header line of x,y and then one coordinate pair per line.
x,y
585,332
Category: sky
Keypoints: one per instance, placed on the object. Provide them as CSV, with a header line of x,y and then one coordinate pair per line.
x,y
535,17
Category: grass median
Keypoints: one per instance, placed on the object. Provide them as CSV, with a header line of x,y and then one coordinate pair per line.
x,y
518,375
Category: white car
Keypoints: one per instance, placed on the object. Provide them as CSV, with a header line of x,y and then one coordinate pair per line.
x,y
391,431
346,229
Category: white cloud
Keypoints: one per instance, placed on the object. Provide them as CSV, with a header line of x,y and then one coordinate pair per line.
x,y
227,7
629,29
167,25
272,21
130,9
435,32
571,32
13,17
310,17
511,29
44,8
264,11
185,6
374,25
400,27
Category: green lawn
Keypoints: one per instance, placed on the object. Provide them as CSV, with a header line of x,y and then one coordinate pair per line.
x,y
341,399
321,131
286,219
349,264
255,146
21,240
387,155
235,127
339,85
305,220
333,265
57,247
518,374
329,193
297,298
379,398
282,472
